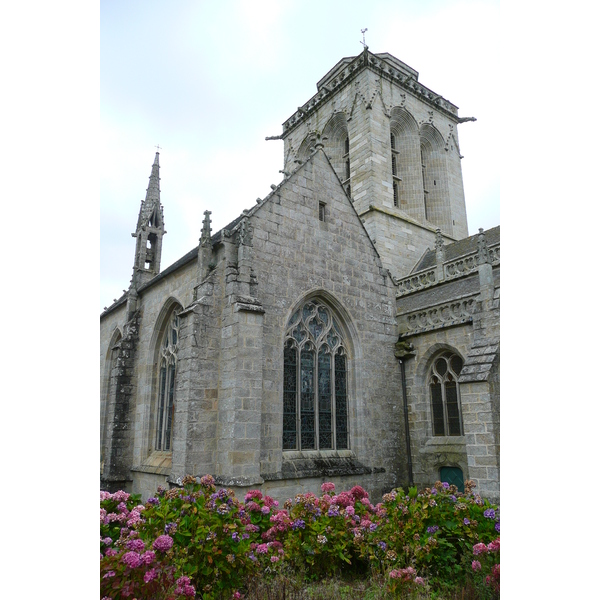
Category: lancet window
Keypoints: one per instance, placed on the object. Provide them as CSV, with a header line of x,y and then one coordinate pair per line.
x,y
315,381
166,384
346,158
445,394
396,179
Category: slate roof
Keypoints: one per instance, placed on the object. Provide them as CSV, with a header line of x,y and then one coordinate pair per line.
x,y
455,249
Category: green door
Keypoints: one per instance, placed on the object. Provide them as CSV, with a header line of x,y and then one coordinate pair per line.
x,y
453,476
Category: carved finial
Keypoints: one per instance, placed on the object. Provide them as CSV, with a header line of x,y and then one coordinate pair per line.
x,y
483,254
244,237
439,240
316,141
206,229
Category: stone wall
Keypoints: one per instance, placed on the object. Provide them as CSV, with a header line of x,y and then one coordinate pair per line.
x,y
297,256
473,335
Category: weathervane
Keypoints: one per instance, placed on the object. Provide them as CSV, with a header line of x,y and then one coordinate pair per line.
x,y
363,40
158,147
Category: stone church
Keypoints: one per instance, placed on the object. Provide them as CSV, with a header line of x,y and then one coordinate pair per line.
x,y
344,328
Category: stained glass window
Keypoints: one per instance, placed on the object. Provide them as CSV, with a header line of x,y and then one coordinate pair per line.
x,y
166,385
315,403
445,395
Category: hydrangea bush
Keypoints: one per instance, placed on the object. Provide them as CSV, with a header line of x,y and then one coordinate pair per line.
x,y
432,530
485,565
200,541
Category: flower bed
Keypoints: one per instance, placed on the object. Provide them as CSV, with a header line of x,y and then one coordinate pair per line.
x,y
197,541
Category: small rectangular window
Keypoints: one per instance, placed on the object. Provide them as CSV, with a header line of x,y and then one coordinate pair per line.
x,y
321,211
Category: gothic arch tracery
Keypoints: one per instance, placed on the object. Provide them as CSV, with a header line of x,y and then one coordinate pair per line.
x,y
315,373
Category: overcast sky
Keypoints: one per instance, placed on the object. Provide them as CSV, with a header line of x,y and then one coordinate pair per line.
x,y
208,81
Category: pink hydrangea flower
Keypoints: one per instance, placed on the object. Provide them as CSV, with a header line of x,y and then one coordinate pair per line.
x,y
253,494
327,487
476,565
120,496
358,492
150,575
162,543
132,559
270,502
479,548
184,587
136,544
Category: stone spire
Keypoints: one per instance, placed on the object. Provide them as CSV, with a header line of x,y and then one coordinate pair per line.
x,y
149,231
151,209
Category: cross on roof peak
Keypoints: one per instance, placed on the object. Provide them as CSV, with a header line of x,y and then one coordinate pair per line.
x,y
363,40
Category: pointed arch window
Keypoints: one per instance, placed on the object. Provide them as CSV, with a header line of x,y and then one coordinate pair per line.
x,y
346,158
445,394
166,384
396,179
425,179
315,402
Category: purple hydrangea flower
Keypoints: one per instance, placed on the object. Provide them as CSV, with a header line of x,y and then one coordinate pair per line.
x,y
162,543
137,545
497,526
466,521
432,529
490,513
132,559
298,524
170,527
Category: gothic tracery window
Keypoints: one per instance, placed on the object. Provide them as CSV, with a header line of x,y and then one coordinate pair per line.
x,y
315,404
445,394
166,384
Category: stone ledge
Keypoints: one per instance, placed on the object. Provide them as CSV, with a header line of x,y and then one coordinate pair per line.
x,y
158,463
320,466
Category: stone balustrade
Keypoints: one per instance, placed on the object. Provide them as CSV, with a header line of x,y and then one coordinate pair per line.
x,y
452,269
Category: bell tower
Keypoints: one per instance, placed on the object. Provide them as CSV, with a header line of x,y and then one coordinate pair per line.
x,y
149,232
393,144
